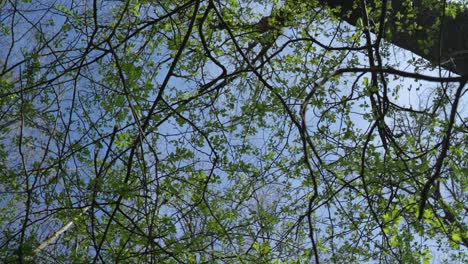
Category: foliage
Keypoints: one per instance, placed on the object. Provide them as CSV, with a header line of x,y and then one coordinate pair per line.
x,y
231,132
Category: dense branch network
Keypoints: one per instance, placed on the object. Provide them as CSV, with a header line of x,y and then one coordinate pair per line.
x,y
233,132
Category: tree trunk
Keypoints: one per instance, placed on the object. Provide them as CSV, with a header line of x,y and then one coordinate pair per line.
x,y
438,37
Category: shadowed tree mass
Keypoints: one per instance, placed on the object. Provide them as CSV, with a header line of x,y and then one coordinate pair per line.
x,y
434,30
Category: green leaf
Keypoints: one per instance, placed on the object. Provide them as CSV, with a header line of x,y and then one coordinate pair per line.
x,y
365,81
456,237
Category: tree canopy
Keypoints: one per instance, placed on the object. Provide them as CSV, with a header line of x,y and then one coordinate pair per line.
x,y
142,131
